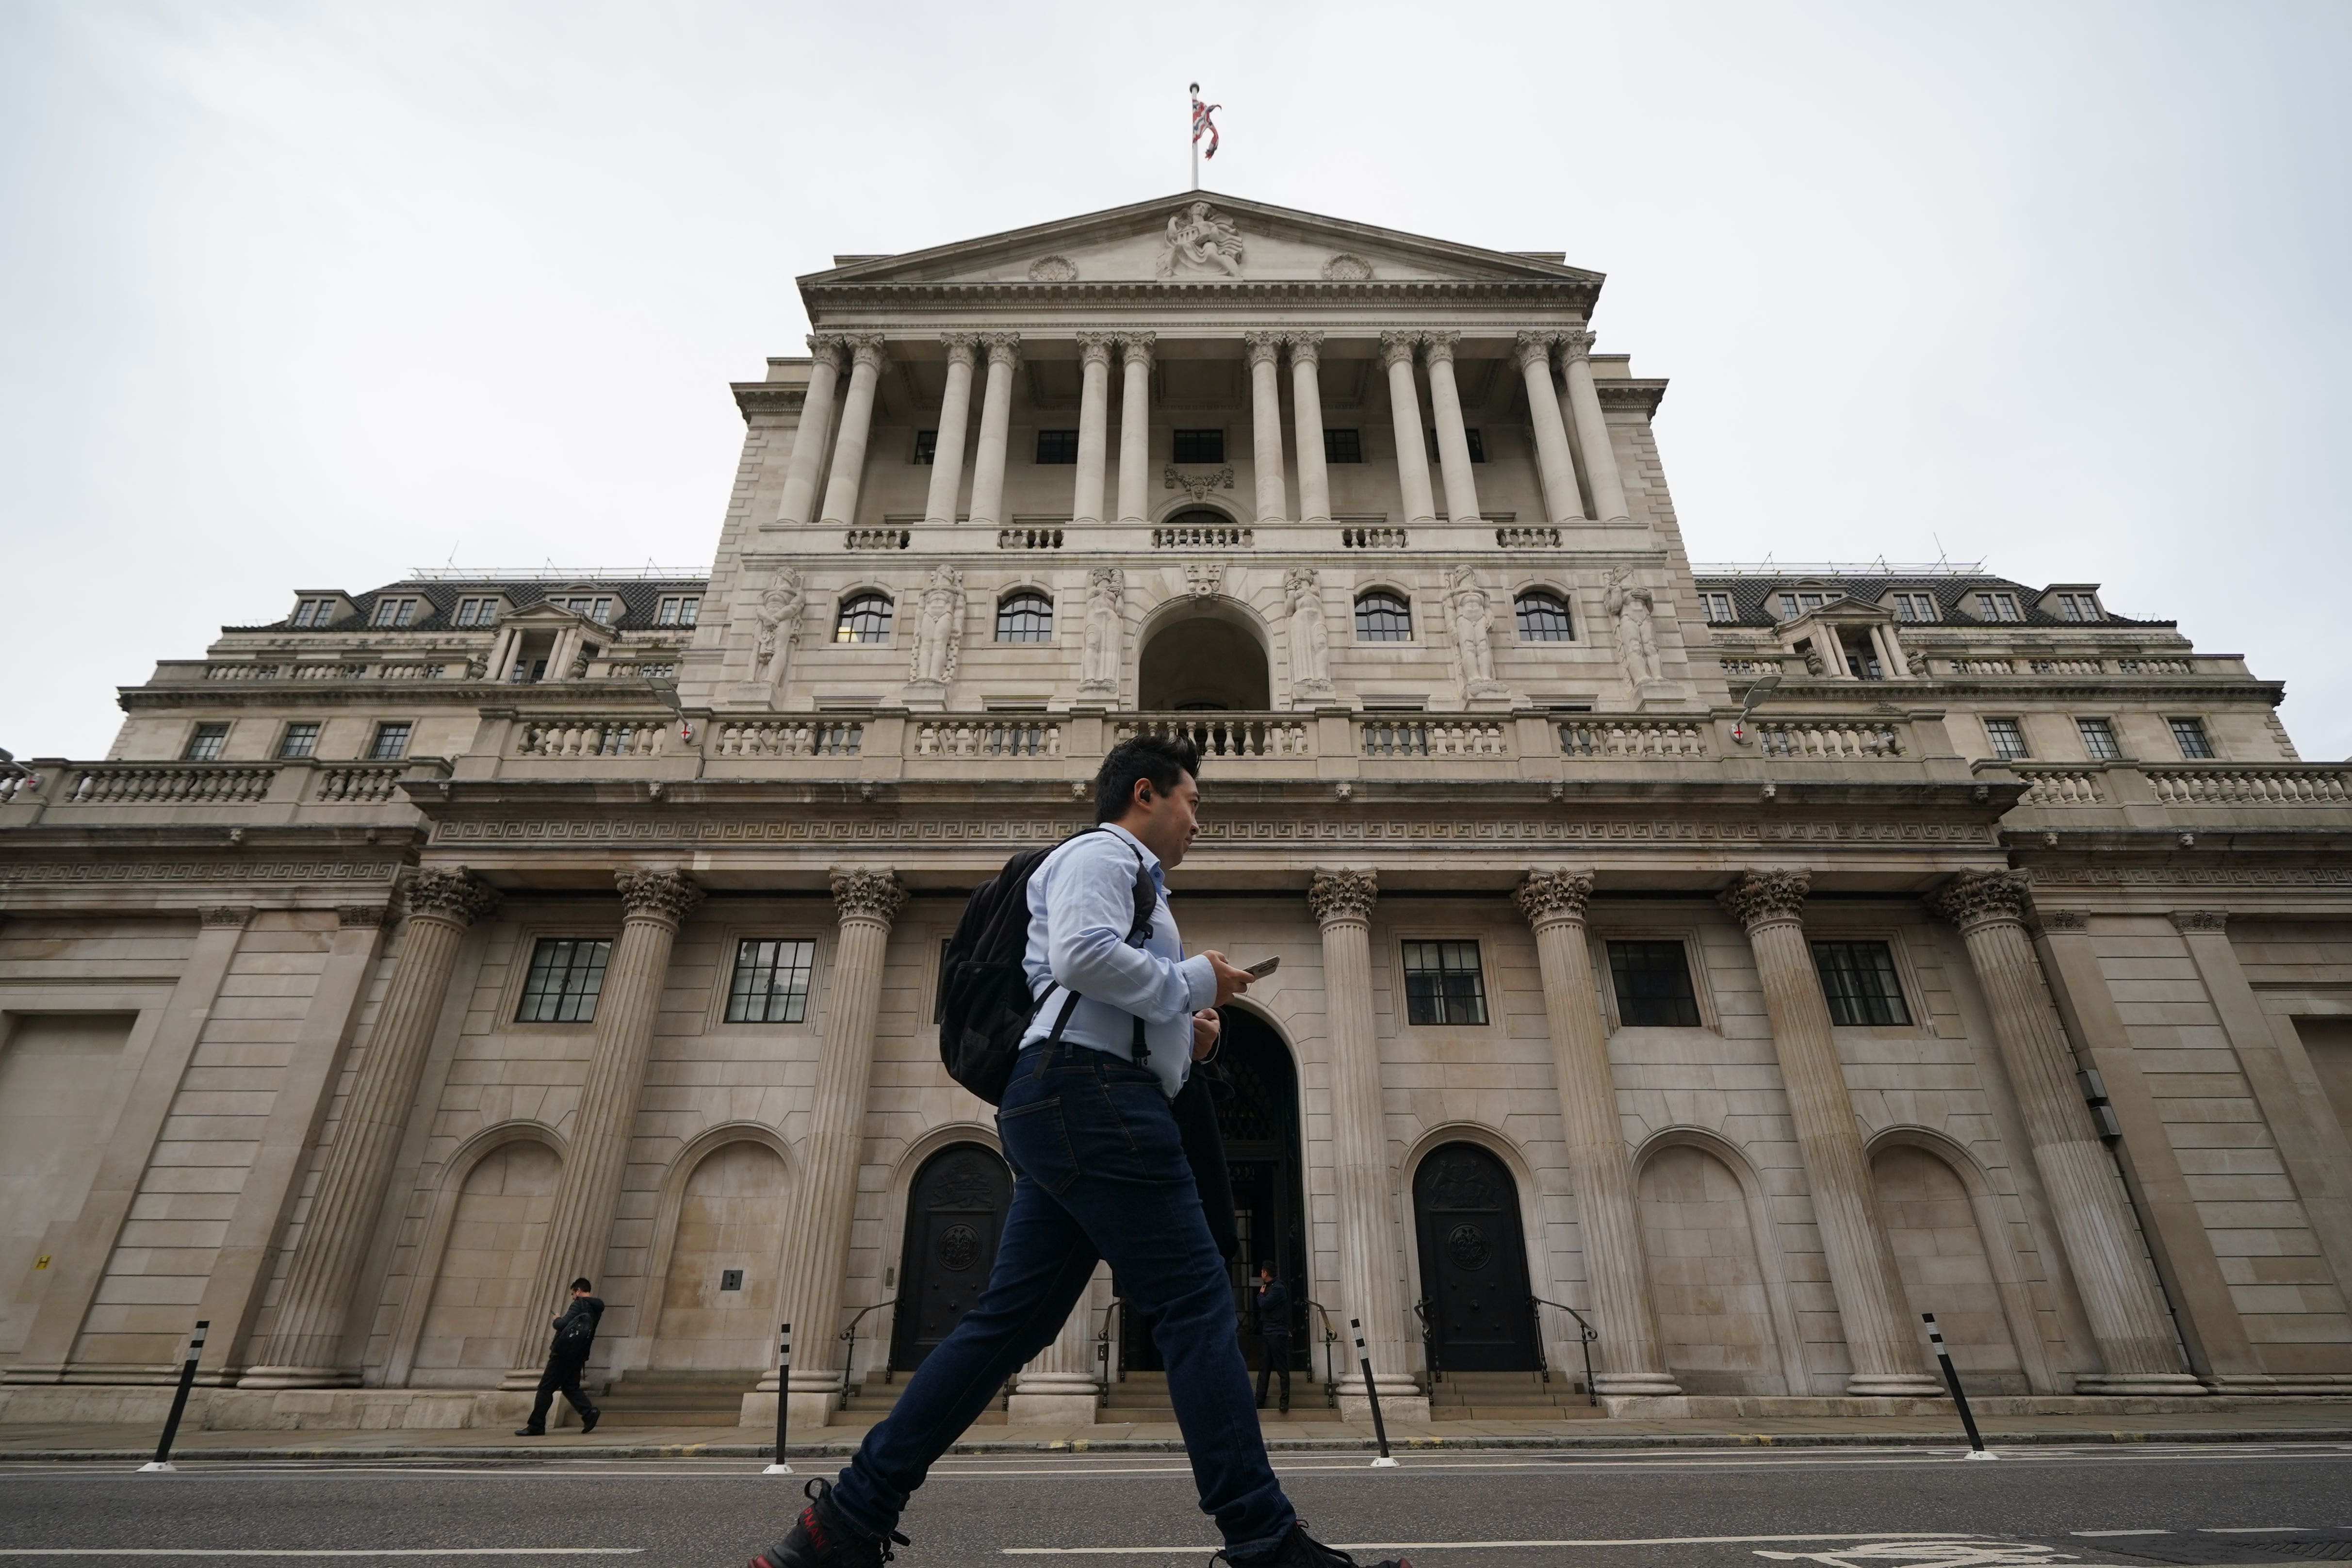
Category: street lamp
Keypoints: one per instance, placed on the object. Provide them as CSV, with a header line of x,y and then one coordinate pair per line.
x,y
1764,686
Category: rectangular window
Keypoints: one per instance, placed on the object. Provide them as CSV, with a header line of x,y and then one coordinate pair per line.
x,y
2098,740
2007,738
1915,607
1197,447
1653,983
598,608
567,974
391,742
771,982
476,611
1718,611
1057,446
678,611
1343,446
314,612
207,744
2078,607
1997,608
926,448
1442,984
2189,735
1859,979
393,613
299,741
1794,605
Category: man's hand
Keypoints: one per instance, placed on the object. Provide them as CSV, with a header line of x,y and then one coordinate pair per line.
x,y
1205,1025
1231,982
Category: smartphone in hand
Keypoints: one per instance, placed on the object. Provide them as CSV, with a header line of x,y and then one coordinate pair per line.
x,y
1261,970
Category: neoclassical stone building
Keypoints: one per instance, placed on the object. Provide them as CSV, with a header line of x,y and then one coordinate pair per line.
x,y
1746,960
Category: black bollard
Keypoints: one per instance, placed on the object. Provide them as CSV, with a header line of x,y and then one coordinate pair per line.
x,y
162,1462
1977,1450
1379,1427
784,1397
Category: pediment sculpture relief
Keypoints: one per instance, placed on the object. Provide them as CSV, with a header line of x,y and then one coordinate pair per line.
x,y
1202,239
1346,269
1052,269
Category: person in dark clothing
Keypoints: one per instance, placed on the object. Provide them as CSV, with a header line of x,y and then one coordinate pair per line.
x,y
1274,1329
575,1335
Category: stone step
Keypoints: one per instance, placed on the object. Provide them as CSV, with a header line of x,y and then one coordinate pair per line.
x,y
665,1398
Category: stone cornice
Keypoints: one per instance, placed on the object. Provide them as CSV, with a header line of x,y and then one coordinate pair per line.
x,y
1644,394
767,397
1181,296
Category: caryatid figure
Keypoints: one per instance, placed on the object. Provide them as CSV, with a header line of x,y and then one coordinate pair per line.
x,y
1310,638
1098,664
1474,621
939,632
1632,605
779,610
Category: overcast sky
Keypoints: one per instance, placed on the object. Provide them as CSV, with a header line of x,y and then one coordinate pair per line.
x,y
308,295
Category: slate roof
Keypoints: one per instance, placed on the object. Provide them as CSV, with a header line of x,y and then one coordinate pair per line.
x,y
1755,598
640,601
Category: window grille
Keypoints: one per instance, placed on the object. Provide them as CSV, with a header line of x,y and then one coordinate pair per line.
x,y
679,611
1719,610
1197,445
2189,735
771,982
1343,446
391,742
567,974
2008,738
2098,740
926,447
1025,616
206,743
300,740
1443,982
1057,445
1653,984
1859,980
1382,616
866,618
1543,617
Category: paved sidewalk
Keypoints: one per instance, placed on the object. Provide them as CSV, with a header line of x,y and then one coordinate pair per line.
x,y
2287,1421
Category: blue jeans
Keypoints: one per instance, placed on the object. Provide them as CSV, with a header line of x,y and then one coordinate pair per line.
x,y
1099,1172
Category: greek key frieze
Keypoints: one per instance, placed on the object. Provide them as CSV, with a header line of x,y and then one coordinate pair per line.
x,y
203,871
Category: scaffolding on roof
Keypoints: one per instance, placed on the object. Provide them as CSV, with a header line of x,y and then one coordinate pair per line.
x,y
1879,568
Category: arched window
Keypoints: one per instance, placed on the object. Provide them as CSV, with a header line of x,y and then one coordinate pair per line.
x,y
1383,617
865,618
1025,616
1543,617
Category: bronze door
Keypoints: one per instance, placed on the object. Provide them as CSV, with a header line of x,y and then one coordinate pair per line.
x,y
1473,1262
954,1216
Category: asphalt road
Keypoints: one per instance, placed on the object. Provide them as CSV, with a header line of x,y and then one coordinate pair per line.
x,y
1845,1509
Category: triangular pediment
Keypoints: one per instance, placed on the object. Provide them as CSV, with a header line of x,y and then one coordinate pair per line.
x,y
1199,238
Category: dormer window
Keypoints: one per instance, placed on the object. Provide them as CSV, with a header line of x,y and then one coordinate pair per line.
x,y
393,613
1997,608
476,611
2079,607
1917,607
1795,604
679,610
314,613
1720,611
596,607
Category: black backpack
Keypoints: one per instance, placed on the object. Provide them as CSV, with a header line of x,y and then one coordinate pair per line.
x,y
985,1003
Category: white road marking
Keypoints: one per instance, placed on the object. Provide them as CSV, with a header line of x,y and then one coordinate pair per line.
x,y
1955,1535
2099,1532
320,1552
2232,1529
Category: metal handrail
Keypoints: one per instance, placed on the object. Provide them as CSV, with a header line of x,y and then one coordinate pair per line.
x,y
1102,1352
1330,1340
1587,1334
1428,1341
849,1337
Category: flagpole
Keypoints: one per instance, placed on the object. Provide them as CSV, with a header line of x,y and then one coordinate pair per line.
x,y
1196,139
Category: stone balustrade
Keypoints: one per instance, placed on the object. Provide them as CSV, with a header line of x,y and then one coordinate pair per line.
x,y
1373,539
2061,786
638,736
169,784
988,737
2156,667
358,783
1028,539
1226,734
2273,784
1426,736
876,538
1839,739
1203,538
1636,738
1527,538
787,738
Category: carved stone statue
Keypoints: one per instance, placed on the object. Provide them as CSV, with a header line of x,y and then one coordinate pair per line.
x,y
938,628
1201,237
780,609
1474,625
1310,639
1098,664
1633,606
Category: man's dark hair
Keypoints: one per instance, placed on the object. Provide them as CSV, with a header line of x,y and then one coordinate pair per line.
x,y
1162,759
582,1284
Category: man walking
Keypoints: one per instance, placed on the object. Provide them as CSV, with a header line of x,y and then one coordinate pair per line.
x,y
1099,1173
575,1335
1273,1332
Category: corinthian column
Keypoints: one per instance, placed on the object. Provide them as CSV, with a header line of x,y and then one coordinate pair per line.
x,y
1453,435
1627,1350
1094,425
1134,423
816,423
995,425
1591,428
1879,1337
1369,1287
1307,423
955,411
840,510
1404,414
304,1349
1265,422
1553,460
654,904
2119,1290
817,1243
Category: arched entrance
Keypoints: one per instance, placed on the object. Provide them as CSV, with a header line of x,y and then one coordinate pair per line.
x,y
1204,655
955,1211
1474,1263
1259,1121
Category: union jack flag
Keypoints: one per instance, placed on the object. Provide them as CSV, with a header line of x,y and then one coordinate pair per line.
x,y
1201,121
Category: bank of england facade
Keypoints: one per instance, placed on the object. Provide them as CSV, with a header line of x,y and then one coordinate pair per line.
x,y
1740,961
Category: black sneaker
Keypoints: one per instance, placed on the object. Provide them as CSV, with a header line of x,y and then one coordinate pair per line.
x,y
821,1537
1300,1550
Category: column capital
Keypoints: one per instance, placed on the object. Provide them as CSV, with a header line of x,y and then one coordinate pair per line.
x,y
961,347
1547,898
867,349
1761,898
1437,348
449,893
1976,898
860,893
1533,349
1265,348
1397,348
1343,895
1003,348
1575,346
2187,921
1306,348
1135,348
668,897
1094,348
828,347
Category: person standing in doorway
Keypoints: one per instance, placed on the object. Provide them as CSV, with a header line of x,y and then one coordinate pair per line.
x,y
1273,1332
567,1358
1099,1174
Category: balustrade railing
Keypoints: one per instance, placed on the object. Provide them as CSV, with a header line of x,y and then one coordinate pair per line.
x,y
1981,667
1634,738
1826,738
1527,538
1372,539
1203,538
168,784
1028,539
876,538
358,783
1427,737
2275,783
989,738
789,737
1225,735
2060,786
2155,666
2066,666
568,737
